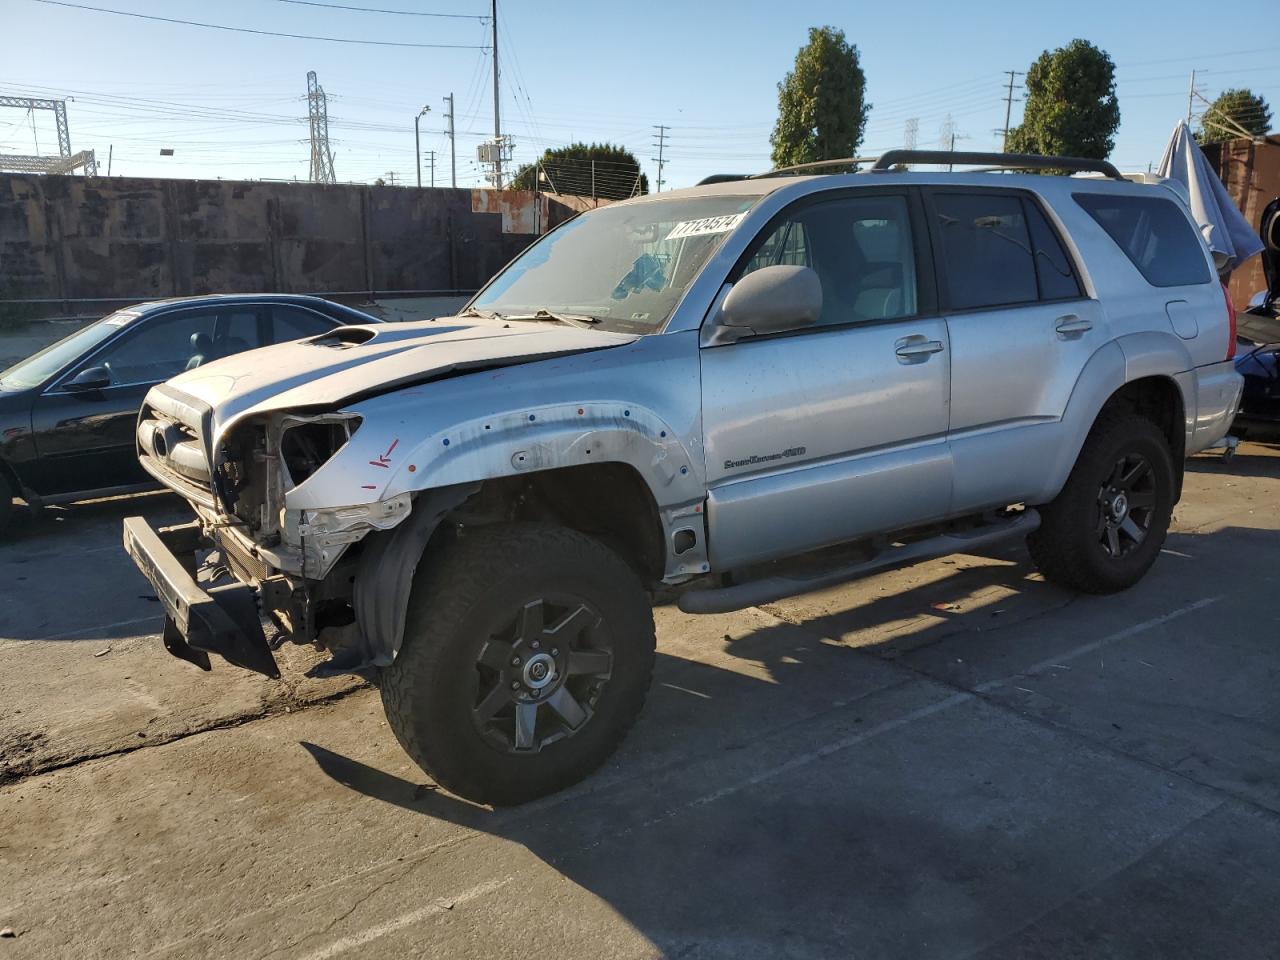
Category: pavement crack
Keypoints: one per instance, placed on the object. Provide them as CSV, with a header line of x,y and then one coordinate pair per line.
x,y
18,774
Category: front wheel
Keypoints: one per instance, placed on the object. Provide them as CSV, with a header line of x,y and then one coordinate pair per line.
x,y
527,655
1103,532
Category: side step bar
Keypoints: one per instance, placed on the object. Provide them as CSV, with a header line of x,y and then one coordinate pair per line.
x,y
768,589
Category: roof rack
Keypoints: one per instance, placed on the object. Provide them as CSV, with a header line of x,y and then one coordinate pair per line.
x,y
888,160
996,161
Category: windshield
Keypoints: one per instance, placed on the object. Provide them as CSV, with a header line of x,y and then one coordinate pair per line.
x,y
625,265
39,367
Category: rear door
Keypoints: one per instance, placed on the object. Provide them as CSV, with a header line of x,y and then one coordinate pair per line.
x,y
289,322
828,433
1021,331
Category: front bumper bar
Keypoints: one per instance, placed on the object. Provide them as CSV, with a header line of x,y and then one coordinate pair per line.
x,y
222,619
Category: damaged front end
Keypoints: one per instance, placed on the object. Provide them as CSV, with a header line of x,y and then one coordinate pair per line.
x,y
250,553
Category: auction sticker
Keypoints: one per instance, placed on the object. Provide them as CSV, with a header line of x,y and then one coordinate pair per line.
x,y
699,228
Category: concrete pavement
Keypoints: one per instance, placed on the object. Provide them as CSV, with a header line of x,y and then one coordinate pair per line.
x,y
951,760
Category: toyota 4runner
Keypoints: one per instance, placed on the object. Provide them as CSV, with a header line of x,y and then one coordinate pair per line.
x,y
730,394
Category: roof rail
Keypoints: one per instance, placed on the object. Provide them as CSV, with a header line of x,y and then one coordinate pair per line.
x,y
886,162
814,165
996,161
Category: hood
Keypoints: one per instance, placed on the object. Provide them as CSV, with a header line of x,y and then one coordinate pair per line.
x,y
351,363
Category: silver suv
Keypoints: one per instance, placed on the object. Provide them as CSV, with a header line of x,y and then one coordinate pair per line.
x,y
730,394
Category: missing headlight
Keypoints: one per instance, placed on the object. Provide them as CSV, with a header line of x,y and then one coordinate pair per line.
x,y
306,445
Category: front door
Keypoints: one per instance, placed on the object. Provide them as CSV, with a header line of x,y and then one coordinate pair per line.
x,y
85,438
835,431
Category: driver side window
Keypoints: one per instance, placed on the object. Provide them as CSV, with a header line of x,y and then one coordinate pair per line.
x,y
862,250
159,349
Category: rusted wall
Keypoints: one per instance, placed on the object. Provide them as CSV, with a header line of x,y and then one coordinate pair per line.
x,y
1251,173
93,238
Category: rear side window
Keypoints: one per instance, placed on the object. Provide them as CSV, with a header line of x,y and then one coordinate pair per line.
x,y
986,250
1154,234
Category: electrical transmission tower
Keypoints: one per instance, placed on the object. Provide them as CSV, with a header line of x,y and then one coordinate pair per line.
x,y
661,144
911,134
318,115
65,161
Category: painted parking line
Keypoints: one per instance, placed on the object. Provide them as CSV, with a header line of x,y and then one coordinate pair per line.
x,y
1086,648
87,631
443,905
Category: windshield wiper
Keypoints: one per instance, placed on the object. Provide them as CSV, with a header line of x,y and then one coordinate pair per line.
x,y
572,319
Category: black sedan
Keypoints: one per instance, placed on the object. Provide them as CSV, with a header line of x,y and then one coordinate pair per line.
x,y
68,413
1258,350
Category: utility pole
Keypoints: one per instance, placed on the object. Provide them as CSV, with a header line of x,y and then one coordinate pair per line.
x,y
453,152
431,155
497,124
417,144
1191,95
1008,108
661,145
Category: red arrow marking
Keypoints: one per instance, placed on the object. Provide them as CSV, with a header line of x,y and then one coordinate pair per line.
x,y
384,460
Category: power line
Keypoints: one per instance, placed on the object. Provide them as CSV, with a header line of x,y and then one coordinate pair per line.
x,y
403,13
263,33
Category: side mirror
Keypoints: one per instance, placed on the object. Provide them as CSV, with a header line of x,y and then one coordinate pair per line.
x,y
90,378
771,300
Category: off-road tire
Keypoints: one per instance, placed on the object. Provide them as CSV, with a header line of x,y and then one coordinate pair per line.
x,y
1066,548
458,599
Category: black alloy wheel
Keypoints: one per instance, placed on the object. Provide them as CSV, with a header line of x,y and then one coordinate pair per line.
x,y
540,679
1126,503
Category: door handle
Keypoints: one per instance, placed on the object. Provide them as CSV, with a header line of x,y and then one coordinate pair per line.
x,y
916,349
1072,326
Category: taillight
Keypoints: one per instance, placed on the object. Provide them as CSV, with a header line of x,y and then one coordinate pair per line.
x,y
1231,324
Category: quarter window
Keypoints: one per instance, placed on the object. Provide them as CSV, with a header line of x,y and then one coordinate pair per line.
x,y
986,250
290,323
862,251
1154,234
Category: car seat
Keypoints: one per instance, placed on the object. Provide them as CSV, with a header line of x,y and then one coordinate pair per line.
x,y
201,350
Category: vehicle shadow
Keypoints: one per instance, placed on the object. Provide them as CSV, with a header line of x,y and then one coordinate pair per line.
x,y
712,833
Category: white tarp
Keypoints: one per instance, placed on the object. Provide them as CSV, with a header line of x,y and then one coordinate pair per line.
x,y
1229,235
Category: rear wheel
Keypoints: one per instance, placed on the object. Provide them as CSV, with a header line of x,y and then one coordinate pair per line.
x,y
1105,529
527,655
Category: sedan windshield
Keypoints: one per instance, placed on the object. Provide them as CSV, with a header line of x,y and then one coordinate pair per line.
x,y
39,367
625,266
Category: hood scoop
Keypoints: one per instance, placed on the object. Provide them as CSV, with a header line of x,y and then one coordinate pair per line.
x,y
341,337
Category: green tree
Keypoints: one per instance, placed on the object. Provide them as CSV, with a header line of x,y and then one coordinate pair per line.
x,y
616,174
1072,109
1232,110
822,108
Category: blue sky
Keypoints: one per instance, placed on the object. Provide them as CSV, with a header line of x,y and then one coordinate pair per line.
x,y
232,105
